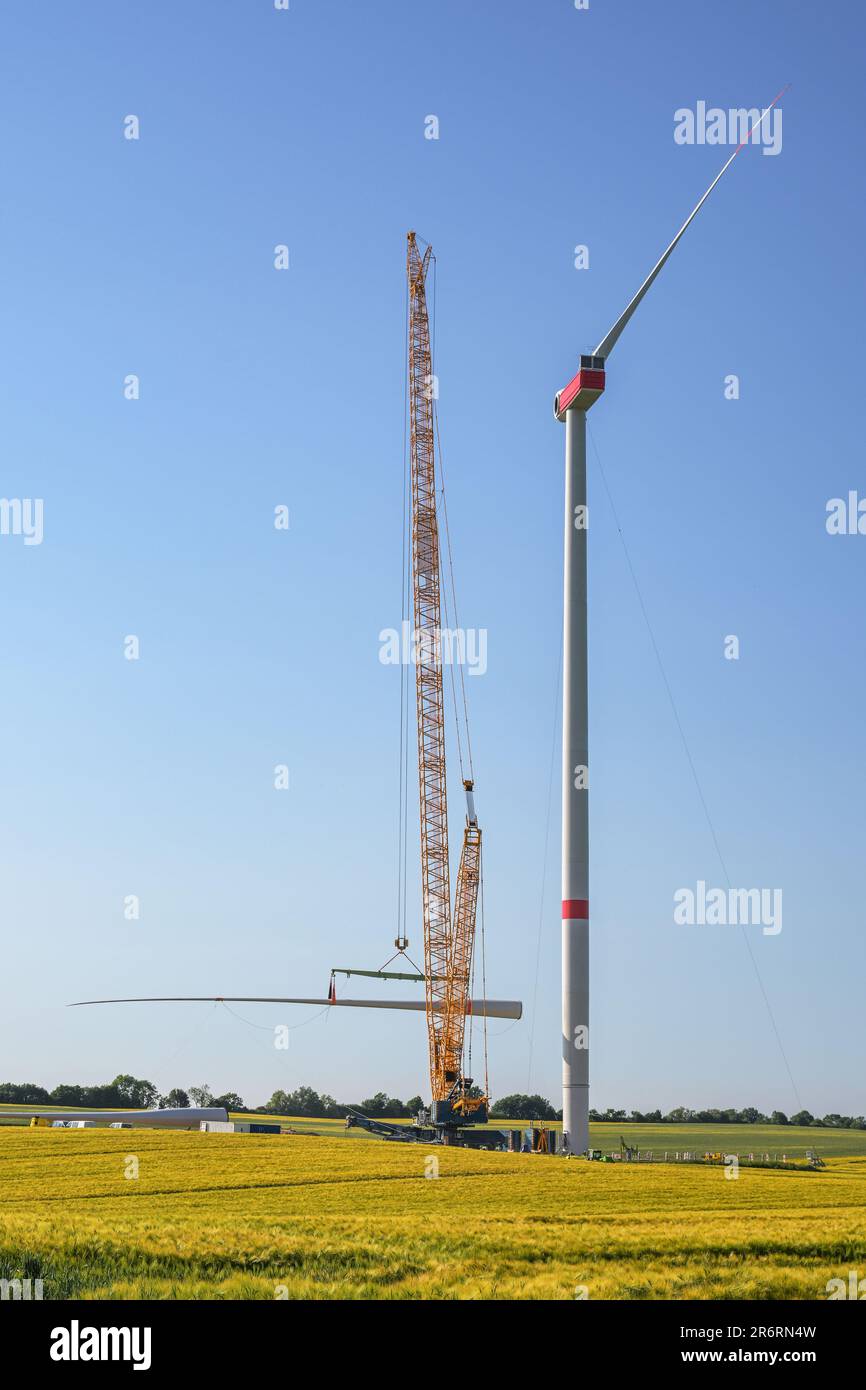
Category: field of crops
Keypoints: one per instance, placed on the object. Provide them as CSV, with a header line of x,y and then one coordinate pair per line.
x,y
149,1214
792,1141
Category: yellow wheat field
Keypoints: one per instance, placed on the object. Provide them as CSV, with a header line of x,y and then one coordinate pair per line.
x,y
122,1214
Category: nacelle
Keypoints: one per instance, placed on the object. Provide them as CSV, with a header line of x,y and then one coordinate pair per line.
x,y
583,390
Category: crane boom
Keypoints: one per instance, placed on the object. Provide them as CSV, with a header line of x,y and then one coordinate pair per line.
x,y
448,942
449,939
430,700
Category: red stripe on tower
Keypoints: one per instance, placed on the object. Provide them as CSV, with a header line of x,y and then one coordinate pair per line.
x,y
575,907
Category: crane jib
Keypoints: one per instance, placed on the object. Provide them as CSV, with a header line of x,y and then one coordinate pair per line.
x,y
448,940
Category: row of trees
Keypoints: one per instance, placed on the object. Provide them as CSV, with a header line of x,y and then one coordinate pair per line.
x,y
749,1116
129,1092
123,1093
308,1103
518,1107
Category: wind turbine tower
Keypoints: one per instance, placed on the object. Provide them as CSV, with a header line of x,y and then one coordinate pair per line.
x,y
570,407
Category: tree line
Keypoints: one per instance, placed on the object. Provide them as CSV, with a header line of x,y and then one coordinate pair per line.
x,y
131,1093
750,1116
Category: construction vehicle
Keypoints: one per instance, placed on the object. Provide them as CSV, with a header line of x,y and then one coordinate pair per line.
x,y
449,936
448,943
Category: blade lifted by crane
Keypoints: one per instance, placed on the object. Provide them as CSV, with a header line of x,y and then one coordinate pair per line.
x,y
481,1008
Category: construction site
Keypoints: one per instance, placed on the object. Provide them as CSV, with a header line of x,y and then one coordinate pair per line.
x,y
432,836
453,967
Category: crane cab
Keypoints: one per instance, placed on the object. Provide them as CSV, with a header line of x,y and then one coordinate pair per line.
x,y
453,1115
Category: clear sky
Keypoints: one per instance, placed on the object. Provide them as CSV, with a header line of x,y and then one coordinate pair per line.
x,y
260,387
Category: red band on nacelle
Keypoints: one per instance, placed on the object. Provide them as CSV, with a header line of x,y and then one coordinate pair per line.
x,y
575,907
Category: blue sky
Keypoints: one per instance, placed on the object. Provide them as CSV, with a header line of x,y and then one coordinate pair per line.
x,y
260,387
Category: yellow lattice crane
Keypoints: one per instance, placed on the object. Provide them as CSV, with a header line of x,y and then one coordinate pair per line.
x,y
449,937
448,940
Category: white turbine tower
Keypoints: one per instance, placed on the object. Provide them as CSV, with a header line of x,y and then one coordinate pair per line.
x,y
570,408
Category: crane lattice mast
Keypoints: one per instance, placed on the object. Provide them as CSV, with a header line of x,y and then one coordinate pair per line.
x,y
447,946
448,939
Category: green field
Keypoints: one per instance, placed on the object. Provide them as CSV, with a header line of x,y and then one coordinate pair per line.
x,y
742,1139
791,1140
147,1214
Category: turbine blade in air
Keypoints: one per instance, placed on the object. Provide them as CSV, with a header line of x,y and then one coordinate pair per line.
x,y
606,344
479,1008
